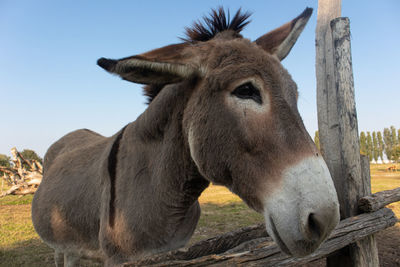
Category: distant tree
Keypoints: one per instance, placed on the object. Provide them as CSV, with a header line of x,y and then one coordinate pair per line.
x,y
29,154
394,136
316,140
398,136
387,138
395,142
396,153
380,145
369,146
4,162
375,147
363,144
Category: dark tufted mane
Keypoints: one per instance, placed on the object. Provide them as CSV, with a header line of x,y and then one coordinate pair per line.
x,y
216,23
151,91
202,31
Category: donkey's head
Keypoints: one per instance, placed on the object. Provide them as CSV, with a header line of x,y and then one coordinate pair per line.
x,y
241,123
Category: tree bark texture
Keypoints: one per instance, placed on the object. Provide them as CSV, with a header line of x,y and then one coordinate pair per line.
x,y
353,182
328,121
379,200
337,122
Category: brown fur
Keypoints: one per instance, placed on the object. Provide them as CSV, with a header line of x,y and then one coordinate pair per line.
x,y
136,192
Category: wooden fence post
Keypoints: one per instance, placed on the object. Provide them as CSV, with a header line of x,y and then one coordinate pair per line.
x,y
328,121
338,129
369,247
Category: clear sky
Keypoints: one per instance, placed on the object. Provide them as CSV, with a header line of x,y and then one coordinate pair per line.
x,y
50,83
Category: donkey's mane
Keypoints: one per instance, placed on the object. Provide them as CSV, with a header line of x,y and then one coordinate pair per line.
x,y
217,22
151,91
202,31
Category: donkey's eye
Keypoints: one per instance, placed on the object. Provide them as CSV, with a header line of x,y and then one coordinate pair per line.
x,y
248,91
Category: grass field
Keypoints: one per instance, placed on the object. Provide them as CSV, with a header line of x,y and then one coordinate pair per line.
x,y
221,212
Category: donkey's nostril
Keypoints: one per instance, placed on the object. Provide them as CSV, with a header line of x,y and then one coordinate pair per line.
x,y
314,227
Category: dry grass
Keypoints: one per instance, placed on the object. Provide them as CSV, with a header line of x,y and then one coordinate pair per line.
x,y
221,212
381,180
19,243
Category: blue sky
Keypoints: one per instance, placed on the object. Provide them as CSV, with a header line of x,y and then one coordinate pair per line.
x,y
50,83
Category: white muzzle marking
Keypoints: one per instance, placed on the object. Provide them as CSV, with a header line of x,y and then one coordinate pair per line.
x,y
303,211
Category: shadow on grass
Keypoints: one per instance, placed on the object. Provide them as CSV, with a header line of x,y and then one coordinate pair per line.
x,y
33,252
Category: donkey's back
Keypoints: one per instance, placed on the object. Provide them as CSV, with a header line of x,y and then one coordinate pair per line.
x,y
71,141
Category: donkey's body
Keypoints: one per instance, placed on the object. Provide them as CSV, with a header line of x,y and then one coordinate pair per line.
x,y
161,193
224,110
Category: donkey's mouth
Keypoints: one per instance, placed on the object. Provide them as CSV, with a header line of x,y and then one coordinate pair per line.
x,y
278,239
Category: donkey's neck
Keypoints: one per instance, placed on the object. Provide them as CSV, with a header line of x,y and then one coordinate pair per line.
x,y
161,132
157,170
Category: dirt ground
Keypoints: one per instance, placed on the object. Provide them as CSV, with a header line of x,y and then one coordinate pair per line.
x,y
389,246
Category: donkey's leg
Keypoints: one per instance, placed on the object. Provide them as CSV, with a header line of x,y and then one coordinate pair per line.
x,y
71,259
58,258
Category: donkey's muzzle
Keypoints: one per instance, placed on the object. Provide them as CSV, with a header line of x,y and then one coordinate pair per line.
x,y
301,213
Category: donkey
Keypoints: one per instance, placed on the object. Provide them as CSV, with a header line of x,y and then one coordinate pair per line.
x,y
222,110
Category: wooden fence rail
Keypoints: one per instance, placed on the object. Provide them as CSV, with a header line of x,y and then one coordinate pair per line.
x,y
261,251
379,200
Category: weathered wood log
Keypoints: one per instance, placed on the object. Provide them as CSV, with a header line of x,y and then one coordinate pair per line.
x,y
352,184
348,126
20,189
37,166
366,174
379,200
214,245
337,121
23,182
326,92
36,181
366,248
12,176
8,170
348,231
10,191
25,191
19,160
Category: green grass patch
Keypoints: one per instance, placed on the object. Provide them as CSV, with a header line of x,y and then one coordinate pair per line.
x,y
16,200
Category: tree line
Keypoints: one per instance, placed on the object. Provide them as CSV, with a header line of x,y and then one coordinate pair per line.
x,y
375,144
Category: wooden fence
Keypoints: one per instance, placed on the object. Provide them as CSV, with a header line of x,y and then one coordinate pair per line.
x,y
251,246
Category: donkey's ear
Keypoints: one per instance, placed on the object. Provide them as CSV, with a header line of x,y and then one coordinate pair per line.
x,y
281,40
169,64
